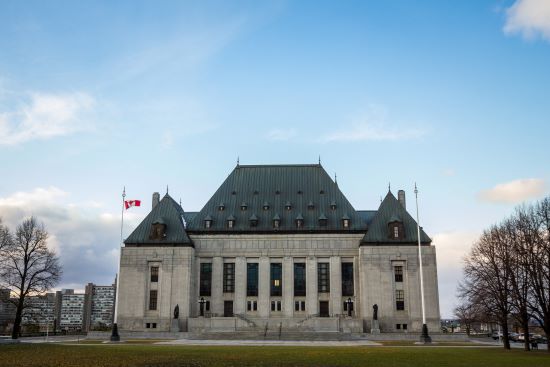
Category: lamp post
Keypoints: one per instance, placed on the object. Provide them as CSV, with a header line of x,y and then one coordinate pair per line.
x,y
201,307
350,302
425,338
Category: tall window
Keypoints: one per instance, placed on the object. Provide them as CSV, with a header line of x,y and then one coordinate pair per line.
x,y
276,280
252,279
154,274
347,279
206,279
153,300
299,279
398,273
323,277
399,300
229,277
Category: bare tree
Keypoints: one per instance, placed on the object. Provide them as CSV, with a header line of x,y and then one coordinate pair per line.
x,y
4,236
537,226
467,313
29,266
487,278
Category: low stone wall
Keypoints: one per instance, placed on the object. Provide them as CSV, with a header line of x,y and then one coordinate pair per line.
x,y
436,337
106,335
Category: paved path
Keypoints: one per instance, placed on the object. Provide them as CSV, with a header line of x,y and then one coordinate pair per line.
x,y
284,343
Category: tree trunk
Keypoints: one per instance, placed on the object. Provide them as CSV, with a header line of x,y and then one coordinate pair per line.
x,y
17,322
525,326
505,336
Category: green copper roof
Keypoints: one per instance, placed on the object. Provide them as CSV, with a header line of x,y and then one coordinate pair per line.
x,y
287,190
389,211
167,212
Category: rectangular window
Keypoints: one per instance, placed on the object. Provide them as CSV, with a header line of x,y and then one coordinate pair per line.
x,y
299,305
399,300
154,274
148,325
398,326
252,279
299,279
152,300
323,277
252,306
398,271
276,279
207,308
154,325
347,279
275,305
404,326
206,279
229,277
396,231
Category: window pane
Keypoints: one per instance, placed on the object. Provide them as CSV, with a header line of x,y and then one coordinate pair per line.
x,y
154,274
252,279
399,300
398,271
228,277
152,300
299,279
276,279
323,277
205,279
347,279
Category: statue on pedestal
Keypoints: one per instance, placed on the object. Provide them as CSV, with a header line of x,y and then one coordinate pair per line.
x,y
375,327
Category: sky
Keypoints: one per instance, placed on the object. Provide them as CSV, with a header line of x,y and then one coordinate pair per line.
x,y
98,95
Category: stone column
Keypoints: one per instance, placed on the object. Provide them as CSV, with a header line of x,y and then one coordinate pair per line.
x,y
263,287
312,299
216,299
288,286
335,285
239,303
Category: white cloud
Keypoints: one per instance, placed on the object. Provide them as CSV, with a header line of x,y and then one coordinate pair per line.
x,y
449,172
451,248
43,116
282,134
529,18
372,131
515,191
85,238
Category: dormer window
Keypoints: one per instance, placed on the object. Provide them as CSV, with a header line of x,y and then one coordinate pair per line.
x,y
310,205
345,221
221,207
323,220
158,230
208,221
265,206
231,222
253,220
396,230
299,221
243,206
333,205
276,221
288,206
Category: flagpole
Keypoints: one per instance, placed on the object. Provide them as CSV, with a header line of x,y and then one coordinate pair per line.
x,y
115,337
425,338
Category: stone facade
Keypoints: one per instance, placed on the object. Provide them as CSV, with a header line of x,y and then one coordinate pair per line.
x,y
281,223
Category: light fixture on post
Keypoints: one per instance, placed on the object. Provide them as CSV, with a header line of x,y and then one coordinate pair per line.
x,y
201,307
424,337
350,302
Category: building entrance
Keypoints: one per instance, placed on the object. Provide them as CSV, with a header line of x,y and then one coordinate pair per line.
x,y
227,308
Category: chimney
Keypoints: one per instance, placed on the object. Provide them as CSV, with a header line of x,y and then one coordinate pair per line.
x,y
156,199
401,198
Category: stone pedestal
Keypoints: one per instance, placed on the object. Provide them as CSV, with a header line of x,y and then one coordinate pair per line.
x,y
375,328
175,326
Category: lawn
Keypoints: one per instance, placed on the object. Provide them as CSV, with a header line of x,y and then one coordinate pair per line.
x,y
182,356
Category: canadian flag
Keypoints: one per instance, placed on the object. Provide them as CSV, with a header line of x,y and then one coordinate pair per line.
x,y
131,203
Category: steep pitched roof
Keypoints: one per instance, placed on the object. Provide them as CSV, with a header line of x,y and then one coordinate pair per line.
x,y
167,212
278,186
390,210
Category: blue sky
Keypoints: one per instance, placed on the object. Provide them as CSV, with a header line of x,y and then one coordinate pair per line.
x,y
97,95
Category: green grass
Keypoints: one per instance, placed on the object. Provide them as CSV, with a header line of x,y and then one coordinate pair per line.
x,y
183,356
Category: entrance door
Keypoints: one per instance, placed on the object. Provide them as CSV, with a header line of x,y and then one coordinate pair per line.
x,y
323,308
227,308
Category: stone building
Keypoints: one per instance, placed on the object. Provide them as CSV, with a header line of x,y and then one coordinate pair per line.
x,y
276,246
